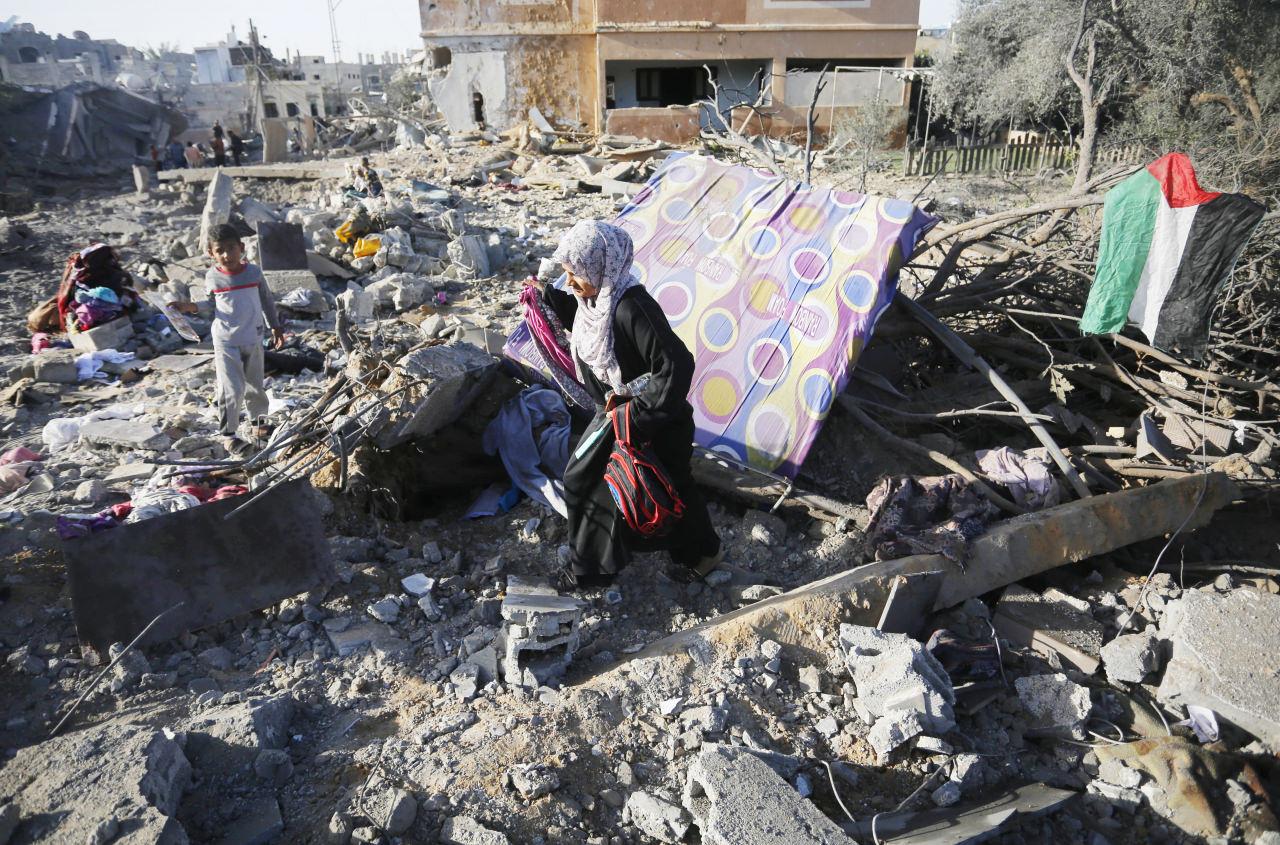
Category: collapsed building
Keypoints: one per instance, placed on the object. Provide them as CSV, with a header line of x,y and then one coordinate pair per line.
x,y
642,69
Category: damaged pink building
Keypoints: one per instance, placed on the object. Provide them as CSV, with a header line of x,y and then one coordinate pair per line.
x,y
636,66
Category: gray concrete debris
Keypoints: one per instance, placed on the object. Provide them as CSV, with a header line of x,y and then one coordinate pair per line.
x,y
124,434
539,634
469,254
348,636
532,780
273,765
281,282
765,528
258,825
217,207
1130,658
258,723
899,683
656,818
1224,657
132,774
1052,625
464,830
946,795
1056,703
393,811
55,366
734,798
431,388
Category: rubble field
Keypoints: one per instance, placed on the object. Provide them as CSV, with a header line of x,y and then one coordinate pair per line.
x,y
1115,682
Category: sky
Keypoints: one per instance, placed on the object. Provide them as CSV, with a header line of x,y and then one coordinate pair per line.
x,y
365,26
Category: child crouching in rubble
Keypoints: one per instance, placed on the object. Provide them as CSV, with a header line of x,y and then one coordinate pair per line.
x,y
241,300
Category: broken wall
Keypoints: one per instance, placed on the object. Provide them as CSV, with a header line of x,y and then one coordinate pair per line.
x,y
556,73
905,13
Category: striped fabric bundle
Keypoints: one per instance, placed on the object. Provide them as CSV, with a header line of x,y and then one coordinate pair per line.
x,y
1167,248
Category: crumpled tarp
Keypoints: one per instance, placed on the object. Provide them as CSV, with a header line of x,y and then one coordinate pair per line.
x,y
531,436
928,515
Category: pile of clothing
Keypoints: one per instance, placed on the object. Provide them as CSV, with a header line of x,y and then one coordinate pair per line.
x,y
145,504
15,464
95,289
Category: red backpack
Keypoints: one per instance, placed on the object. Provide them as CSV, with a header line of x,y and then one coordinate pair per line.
x,y
639,484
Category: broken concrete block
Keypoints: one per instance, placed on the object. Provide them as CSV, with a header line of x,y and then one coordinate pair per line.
x,y
258,825
439,383
385,609
135,773
255,212
1056,703
1050,625
734,798
217,207
275,139
351,638
124,434
55,366
540,631
141,182
654,817
895,675
1224,657
766,529
109,335
357,304
470,255
130,472
417,584
532,780
281,246
1129,658
464,830
322,266
259,723
281,282
393,811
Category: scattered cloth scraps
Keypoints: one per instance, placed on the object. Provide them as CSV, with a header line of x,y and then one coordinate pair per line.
x,y
928,515
89,365
19,454
531,436
153,503
493,500
73,526
965,660
1027,475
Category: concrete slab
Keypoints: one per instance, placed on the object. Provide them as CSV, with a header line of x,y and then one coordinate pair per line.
x,y
1030,620
734,798
1036,542
124,434
431,388
178,363
299,170
1224,657
322,266
106,336
130,472
282,281
281,246
217,206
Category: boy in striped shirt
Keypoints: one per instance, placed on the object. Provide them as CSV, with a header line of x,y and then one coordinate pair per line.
x,y
241,300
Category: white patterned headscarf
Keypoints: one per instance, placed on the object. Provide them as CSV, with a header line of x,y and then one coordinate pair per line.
x,y
600,253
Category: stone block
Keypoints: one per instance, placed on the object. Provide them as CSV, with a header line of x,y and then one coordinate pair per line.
x,y
440,383
281,246
1130,658
275,140
282,281
259,824
124,434
62,787
894,675
1223,657
259,723
1050,626
1057,704
656,818
358,635
734,797
540,631
55,366
125,473
217,207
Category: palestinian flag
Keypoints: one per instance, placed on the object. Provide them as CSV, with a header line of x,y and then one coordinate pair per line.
x,y
1167,248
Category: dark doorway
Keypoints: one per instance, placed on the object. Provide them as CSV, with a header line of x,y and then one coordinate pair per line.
x,y
477,108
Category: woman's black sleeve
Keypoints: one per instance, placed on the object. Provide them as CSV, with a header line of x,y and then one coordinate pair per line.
x,y
563,303
665,399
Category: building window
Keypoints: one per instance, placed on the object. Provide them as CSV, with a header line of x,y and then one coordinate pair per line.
x,y
315,109
315,76
674,86
28,55
648,83
291,109
270,110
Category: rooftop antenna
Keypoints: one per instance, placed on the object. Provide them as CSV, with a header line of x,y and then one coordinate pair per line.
x,y
333,35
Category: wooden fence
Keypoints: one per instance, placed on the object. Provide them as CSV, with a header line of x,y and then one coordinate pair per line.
x,y
1018,156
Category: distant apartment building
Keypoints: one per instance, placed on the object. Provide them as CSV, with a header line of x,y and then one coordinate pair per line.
x,y
32,58
231,73
619,63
